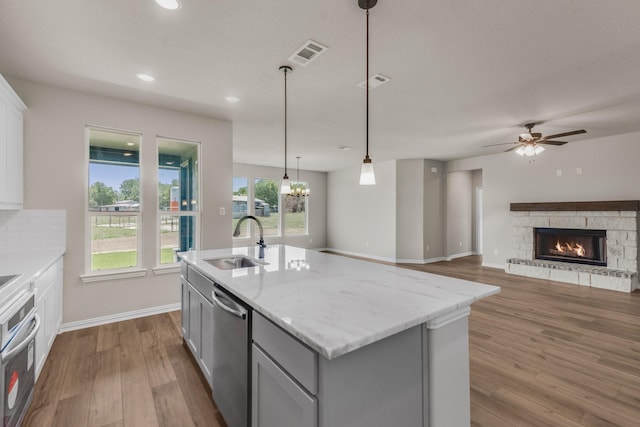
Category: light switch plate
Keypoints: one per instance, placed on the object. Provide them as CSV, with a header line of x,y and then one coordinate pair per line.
x,y
223,211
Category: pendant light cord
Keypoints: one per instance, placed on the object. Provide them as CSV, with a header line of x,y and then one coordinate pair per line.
x,y
285,123
366,80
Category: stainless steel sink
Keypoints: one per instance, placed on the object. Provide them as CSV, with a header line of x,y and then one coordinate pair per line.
x,y
231,262
6,279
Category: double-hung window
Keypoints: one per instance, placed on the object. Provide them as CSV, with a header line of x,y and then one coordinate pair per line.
x,y
178,197
114,200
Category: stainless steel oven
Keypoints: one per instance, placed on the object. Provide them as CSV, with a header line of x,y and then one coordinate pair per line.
x,y
19,325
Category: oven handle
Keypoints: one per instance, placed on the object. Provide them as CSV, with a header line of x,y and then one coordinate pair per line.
x,y
14,352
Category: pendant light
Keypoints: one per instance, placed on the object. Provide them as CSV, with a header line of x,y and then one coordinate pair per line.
x,y
300,190
367,176
285,188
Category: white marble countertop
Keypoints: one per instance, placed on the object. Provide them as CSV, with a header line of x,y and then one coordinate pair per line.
x,y
336,304
28,265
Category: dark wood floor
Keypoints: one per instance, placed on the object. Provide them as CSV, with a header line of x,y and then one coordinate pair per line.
x,y
541,353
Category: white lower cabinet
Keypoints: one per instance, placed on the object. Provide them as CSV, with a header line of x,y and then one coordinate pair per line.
x,y
277,400
48,287
197,326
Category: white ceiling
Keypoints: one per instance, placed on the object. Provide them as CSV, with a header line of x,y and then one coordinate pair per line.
x,y
465,73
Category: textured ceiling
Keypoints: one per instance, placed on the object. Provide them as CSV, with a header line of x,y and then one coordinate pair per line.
x,y
465,73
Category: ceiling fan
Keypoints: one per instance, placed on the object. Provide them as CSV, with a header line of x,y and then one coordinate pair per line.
x,y
530,144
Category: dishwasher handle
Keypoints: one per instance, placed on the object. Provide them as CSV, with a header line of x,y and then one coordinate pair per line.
x,y
220,303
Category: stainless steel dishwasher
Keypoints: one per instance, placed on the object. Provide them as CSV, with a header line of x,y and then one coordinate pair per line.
x,y
230,376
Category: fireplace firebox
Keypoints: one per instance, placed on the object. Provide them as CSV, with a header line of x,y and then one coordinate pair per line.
x,y
571,245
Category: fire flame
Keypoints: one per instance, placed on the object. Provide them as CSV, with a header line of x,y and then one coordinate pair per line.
x,y
576,248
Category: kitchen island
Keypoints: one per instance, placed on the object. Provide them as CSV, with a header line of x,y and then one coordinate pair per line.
x,y
341,342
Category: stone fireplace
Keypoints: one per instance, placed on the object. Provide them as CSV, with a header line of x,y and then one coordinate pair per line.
x,y
585,243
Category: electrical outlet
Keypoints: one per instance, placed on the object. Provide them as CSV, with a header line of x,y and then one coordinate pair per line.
x,y
559,172
578,171
495,252
428,248
460,244
223,211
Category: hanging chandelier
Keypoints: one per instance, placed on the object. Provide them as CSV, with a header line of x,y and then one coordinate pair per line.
x,y
300,189
285,188
367,175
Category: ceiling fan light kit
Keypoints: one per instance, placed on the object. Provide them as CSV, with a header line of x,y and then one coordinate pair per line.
x,y
530,143
367,174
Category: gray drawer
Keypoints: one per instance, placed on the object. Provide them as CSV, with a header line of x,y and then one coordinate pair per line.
x,y
201,283
297,359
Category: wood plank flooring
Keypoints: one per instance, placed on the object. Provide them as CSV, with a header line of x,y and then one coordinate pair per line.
x,y
133,373
541,353
548,353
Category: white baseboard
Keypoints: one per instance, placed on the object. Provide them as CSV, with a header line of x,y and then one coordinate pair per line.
x,y
492,265
103,320
460,255
419,261
378,258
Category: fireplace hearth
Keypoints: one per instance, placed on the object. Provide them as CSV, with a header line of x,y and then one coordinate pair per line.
x,y
571,245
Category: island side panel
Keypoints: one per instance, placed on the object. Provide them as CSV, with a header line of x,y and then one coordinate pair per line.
x,y
379,385
447,376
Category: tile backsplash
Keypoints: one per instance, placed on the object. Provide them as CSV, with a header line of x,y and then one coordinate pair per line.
x,y
32,229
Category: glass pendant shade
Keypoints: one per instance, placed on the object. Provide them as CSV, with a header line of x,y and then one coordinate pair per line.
x,y
285,187
367,175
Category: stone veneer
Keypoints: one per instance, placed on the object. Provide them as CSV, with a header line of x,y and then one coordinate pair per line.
x,y
621,273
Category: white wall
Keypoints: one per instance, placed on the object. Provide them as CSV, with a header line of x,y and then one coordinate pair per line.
x,y
410,210
609,172
434,210
476,178
316,205
362,219
459,213
56,178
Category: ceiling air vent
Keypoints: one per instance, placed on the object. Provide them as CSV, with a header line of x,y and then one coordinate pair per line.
x,y
307,52
375,81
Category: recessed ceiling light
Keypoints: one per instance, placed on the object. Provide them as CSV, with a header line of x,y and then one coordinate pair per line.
x,y
169,4
343,147
145,77
127,154
232,98
131,144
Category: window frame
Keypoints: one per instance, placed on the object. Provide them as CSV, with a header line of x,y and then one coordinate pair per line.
x,y
115,273
178,214
252,227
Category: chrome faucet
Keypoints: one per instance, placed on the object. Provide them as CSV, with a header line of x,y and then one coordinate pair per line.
x,y
260,243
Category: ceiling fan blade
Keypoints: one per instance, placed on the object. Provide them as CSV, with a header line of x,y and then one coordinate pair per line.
x,y
503,143
512,148
552,142
558,135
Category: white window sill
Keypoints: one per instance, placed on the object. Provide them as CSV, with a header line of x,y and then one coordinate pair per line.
x,y
113,275
168,269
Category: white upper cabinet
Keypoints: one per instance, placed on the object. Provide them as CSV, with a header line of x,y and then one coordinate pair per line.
x,y
11,135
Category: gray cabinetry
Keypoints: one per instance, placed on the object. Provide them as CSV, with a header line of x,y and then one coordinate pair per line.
x,y
197,320
277,399
284,378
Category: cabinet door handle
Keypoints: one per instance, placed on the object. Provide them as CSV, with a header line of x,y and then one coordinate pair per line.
x,y
226,308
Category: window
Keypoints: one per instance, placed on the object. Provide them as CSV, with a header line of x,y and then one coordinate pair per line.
x,y
239,205
266,201
267,205
114,200
295,212
177,197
